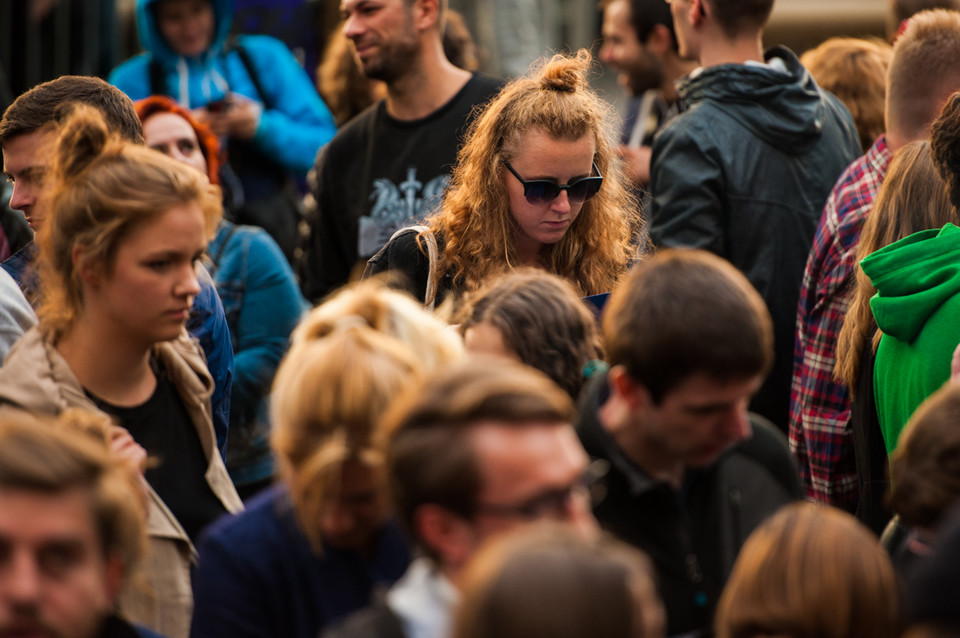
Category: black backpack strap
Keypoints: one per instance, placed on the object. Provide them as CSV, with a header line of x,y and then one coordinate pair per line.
x,y
234,45
158,85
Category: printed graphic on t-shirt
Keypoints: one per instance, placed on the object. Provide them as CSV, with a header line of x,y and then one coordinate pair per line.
x,y
396,206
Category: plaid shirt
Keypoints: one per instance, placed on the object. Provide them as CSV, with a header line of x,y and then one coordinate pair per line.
x,y
820,435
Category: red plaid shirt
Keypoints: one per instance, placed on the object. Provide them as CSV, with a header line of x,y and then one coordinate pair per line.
x,y
820,433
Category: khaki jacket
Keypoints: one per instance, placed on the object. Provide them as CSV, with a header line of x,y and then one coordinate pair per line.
x,y
36,378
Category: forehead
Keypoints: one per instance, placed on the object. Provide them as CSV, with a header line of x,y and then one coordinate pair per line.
x,y
352,5
522,459
617,14
701,389
29,150
162,127
38,517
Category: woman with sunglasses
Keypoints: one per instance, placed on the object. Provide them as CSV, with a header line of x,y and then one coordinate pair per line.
x,y
536,184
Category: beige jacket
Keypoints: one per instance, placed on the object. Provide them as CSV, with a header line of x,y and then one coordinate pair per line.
x,y
35,377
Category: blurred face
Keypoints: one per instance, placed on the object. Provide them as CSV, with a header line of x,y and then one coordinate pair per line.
x,y
697,420
174,137
384,37
147,295
353,518
542,157
529,473
620,44
486,339
55,581
186,25
26,162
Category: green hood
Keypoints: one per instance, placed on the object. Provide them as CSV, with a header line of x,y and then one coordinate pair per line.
x,y
913,277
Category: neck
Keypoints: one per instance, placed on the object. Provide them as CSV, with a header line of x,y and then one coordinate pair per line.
x,y
111,368
721,50
430,85
675,68
618,420
897,140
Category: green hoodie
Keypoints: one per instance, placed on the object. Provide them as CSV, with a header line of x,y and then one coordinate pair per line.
x,y
917,307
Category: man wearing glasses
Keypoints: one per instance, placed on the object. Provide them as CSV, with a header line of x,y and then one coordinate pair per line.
x,y
480,450
691,473
745,170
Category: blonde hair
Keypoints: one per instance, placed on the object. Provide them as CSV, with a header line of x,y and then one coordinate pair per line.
x,y
855,70
475,220
389,311
810,570
913,197
104,187
328,395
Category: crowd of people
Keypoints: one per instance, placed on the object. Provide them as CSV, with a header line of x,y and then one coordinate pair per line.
x,y
515,365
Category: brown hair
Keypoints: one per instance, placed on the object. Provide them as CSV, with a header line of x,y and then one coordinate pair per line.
x,y
425,432
547,580
475,219
684,312
925,466
912,198
945,147
207,140
104,187
738,16
924,70
855,70
542,321
51,455
328,394
810,571
51,102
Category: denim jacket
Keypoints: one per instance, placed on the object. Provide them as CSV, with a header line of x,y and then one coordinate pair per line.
x,y
263,304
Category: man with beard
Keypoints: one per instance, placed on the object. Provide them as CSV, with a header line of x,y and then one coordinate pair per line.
x,y
640,44
389,166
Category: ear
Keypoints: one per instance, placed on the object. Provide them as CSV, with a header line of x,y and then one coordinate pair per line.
x,y
88,272
447,534
425,14
659,41
113,576
697,12
627,389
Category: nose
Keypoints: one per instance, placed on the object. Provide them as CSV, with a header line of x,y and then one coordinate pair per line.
x,y
23,196
737,423
352,27
21,579
561,203
606,52
189,284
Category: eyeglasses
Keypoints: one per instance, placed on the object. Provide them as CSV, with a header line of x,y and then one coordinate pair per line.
x,y
541,191
553,503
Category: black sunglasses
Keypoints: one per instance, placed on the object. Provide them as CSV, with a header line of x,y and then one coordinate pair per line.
x,y
541,191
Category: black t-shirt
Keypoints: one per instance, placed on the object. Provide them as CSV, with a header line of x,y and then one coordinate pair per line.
x,y
379,174
163,427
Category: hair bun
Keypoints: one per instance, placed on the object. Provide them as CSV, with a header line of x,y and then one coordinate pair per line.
x,y
83,138
565,73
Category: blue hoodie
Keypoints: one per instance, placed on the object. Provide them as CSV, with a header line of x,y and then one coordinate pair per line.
x,y
291,131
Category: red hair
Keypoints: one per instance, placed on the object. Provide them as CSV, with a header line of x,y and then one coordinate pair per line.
x,y
209,144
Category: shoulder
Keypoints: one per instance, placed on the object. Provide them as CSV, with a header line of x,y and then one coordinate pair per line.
x,y
253,533
351,138
482,86
133,75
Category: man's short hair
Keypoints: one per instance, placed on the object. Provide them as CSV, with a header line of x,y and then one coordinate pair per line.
x,y
736,17
684,312
47,455
426,433
51,102
924,70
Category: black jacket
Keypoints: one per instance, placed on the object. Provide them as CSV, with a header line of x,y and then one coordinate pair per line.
x,y
692,535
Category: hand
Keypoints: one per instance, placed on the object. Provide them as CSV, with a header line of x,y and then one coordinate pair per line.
x,y
239,117
128,451
636,163
955,367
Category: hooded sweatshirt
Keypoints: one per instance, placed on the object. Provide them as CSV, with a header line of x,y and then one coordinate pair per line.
x,y
744,172
917,307
291,131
